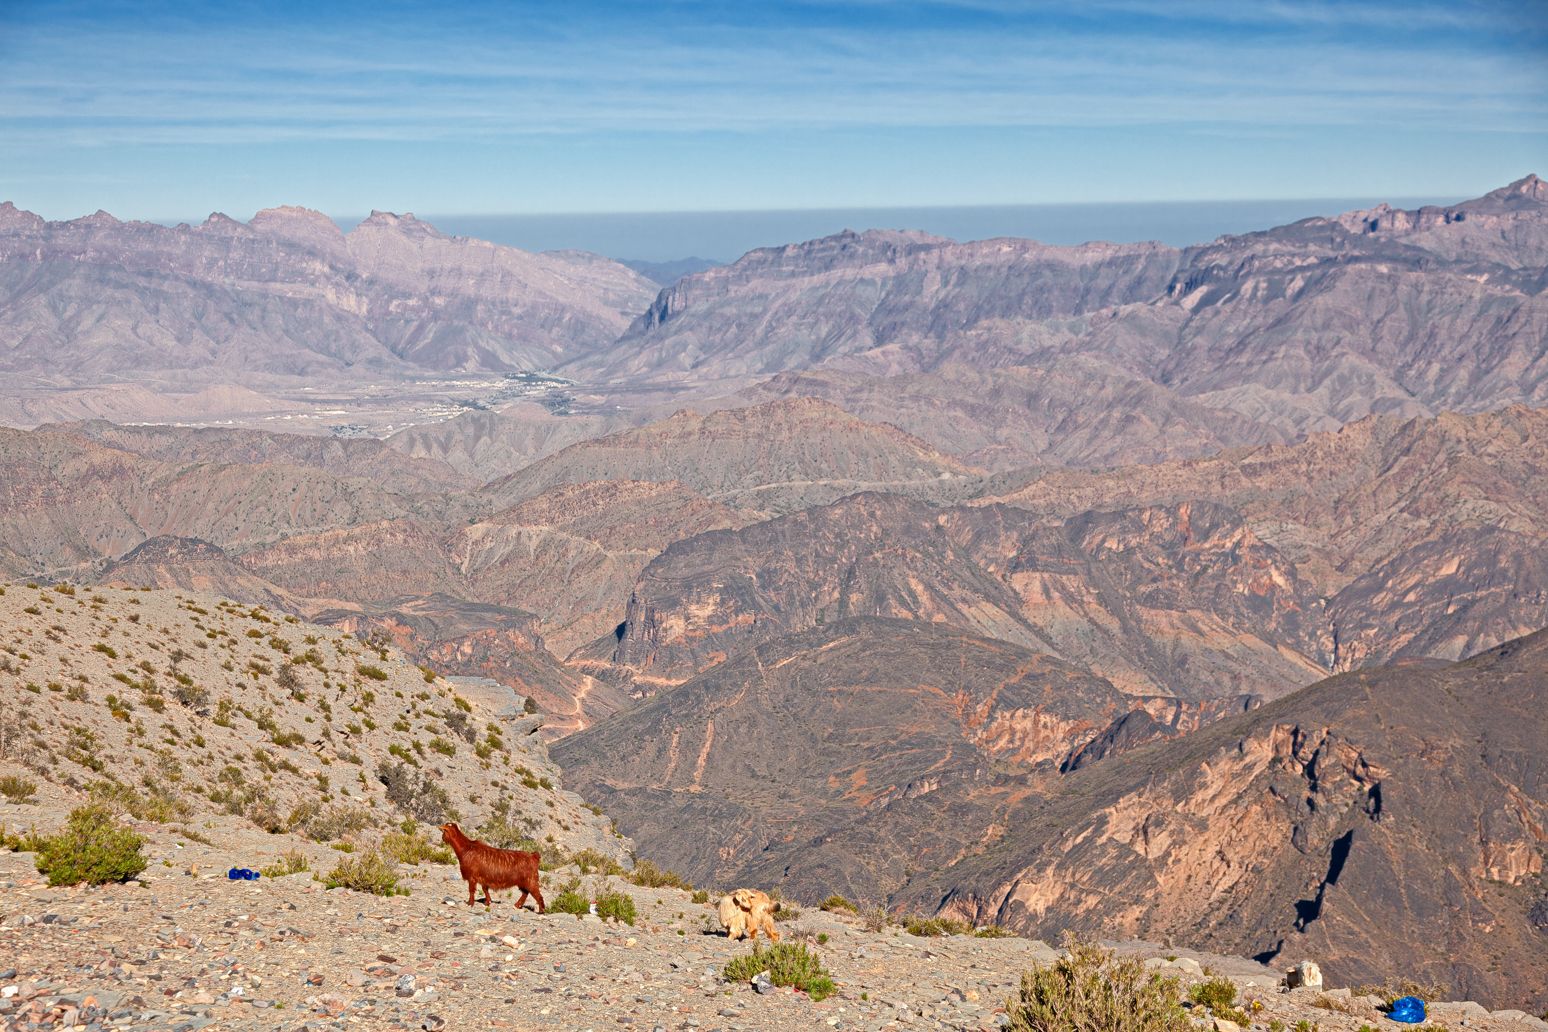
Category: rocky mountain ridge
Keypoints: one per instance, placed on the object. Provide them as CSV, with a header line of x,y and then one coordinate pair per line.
x,y
289,294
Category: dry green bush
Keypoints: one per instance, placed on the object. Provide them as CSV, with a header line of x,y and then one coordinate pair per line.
x,y
931,927
371,870
1092,991
18,789
1218,996
155,803
591,861
414,794
617,905
409,847
838,904
291,861
93,848
788,963
647,875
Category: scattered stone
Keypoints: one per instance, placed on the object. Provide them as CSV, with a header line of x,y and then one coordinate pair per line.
x,y
1305,975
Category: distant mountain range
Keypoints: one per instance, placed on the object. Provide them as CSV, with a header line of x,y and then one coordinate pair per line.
x,y
1151,574
1247,340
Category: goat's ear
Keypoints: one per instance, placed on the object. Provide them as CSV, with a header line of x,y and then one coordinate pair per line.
x,y
742,898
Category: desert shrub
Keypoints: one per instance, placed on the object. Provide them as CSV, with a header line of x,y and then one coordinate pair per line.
x,y
993,932
701,895
569,899
19,841
617,905
416,795
931,927
190,695
375,673
503,832
107,650
442,746
460,724
1218,996
17,789
292,861
329,824
648,875
156,803
875,919
371,870
93,848
1091,989
788,963
590,861
1394,989
408,847
837,904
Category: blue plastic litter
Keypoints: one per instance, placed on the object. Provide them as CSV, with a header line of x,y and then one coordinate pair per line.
x,y
243,874
1407,1009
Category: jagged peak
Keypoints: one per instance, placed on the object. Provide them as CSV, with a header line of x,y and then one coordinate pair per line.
x,y
12,217
96,218
1528,185
219,220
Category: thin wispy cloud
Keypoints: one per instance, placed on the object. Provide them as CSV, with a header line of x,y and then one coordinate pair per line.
x,y
86,77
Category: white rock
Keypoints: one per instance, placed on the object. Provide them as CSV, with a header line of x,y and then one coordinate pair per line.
x,y
1305,975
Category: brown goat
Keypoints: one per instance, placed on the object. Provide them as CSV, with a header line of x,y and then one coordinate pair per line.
x,y
494,869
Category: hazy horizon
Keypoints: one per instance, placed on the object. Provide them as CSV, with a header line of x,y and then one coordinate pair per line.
x,y
726,235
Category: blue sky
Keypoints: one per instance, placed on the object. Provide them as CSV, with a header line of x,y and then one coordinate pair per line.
x,y
163,110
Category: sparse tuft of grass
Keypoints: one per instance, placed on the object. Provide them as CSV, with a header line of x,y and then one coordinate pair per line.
x,y
18,789
930,927
1218,996
1394,989
292,861
590,861
647,875
838,904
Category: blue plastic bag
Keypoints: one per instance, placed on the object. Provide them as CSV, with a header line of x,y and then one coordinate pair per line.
x,y
1408,1009
242,874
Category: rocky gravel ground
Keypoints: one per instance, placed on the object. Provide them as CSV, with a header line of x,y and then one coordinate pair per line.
x,y
188,949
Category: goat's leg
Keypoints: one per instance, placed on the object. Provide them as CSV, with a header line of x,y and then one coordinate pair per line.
x,y
472,890
537,894
521,902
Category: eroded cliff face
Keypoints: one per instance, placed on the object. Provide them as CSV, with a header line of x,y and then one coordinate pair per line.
x,y
1177,600
1388,820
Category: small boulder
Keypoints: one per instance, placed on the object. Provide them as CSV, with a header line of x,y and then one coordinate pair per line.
x,y
1305,975
762,984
